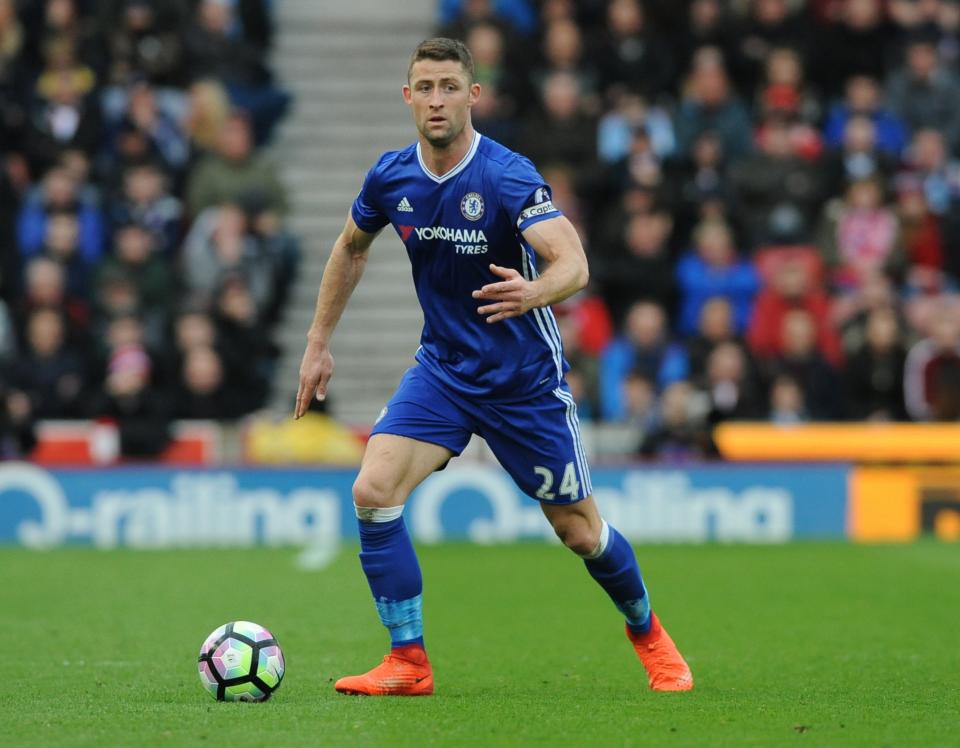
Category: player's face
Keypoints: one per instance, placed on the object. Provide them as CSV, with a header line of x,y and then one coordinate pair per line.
x,y
440,95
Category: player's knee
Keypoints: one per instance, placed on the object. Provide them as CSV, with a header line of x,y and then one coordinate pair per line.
x,y
576,533
372,493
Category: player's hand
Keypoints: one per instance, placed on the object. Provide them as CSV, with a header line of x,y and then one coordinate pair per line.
x,y
315,371
511,297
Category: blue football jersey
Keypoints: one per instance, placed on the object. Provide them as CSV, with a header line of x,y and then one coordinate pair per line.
x,y
454,226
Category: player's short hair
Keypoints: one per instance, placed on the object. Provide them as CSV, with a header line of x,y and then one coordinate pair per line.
x,y
440,49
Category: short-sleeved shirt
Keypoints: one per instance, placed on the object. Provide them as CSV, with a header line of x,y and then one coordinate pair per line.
x,y
454,226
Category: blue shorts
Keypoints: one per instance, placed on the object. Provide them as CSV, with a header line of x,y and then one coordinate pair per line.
x,y
537,440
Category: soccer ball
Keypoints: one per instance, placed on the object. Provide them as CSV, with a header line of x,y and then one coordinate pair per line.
x,y
241,661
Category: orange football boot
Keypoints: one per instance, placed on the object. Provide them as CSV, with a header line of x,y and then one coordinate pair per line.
x,y
665,666
405,671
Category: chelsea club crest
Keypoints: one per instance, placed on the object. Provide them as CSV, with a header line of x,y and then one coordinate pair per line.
x,y
472,206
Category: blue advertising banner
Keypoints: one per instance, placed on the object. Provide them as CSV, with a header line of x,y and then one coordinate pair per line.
x,y
148,507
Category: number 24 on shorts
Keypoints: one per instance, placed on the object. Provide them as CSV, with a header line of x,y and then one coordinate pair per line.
x,y
569,485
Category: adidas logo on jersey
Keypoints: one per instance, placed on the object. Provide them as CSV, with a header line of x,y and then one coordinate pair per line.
x,y
404,206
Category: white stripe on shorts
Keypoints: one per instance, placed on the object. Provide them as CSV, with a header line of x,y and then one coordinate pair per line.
x,y
574,428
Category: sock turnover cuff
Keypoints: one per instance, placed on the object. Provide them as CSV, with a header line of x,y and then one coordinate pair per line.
x,y
602,544
378,513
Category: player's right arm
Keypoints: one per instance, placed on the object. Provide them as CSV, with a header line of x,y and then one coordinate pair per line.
x,y
341,275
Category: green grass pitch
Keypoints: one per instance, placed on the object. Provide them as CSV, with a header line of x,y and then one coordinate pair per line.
x,y
803,644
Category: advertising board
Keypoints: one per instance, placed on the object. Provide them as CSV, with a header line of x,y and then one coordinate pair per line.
x,y
157,507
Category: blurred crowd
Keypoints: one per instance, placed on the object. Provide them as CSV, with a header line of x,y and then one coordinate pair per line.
x,y
767,191
143,252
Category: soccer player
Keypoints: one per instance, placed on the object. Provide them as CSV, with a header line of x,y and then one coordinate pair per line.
x,y
477,220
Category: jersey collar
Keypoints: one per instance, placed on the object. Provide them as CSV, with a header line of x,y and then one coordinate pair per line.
x,y
464,162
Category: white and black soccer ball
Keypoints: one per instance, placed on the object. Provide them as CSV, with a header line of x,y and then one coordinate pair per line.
x,y
241,661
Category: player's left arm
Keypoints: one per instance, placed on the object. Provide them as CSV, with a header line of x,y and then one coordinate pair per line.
x,y
557,242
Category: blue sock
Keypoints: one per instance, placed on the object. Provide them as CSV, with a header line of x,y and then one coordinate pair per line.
x,y
614,566
390,563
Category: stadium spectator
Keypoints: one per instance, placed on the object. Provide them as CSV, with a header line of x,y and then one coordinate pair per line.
x,y
143,39
64,114
640,402
715,328
505,94
860,236
644,347
851,310
59,22
220,245
786,86
777,191
679,431
631,55
710,105
128,330
874,374
787,403
803,362
700,185
118,295
948,21
857,158
858,43
564,133
793,283
193,328
203,391
215,50
712,269
640,267
768,24
640,167
631,113
248,351
780,106
62,244
733,391
922,237
45,287
234,172
48,370
17,424
143,114
864,99
140,413
60,194
281,248
136,256
924,94
208,108
146,201
562,51
928,160
928,378
708,25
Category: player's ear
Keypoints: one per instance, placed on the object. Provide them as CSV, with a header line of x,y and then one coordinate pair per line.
x,y
474,93
407,96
